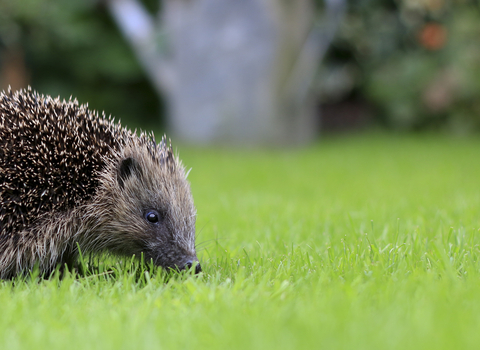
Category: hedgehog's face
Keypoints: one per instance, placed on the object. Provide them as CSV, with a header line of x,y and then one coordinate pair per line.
x,y
151,212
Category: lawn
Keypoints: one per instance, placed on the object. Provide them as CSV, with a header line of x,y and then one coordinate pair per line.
x,y
360,242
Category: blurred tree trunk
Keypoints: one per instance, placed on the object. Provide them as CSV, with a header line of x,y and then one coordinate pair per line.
x,y
13,71
232,71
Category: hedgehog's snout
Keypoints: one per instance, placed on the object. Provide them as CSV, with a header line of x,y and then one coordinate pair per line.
x,y
189,264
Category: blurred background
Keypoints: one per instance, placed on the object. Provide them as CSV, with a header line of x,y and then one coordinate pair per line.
x,y
252,71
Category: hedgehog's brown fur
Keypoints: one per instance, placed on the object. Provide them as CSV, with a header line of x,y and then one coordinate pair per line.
x,y
69,178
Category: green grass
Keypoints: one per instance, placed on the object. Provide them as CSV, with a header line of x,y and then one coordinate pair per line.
x,y
366,242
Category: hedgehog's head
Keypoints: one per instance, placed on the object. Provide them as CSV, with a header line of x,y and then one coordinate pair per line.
x,y
150,209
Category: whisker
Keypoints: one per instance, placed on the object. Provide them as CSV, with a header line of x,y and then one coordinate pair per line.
x,y
210,241
200,231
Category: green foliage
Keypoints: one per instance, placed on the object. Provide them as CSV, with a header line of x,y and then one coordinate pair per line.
x,y
370,242
415,61
71,47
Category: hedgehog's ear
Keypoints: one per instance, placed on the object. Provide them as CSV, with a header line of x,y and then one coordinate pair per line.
x,y
128,167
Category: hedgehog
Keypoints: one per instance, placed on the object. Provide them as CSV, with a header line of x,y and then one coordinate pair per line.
x,y
73,182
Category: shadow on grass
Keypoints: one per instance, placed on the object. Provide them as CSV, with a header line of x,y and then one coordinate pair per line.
x,y
105,268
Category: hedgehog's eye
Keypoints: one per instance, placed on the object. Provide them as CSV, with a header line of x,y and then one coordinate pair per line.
x,y
152,216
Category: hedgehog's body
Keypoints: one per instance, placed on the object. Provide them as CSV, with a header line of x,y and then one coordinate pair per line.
x,y
69,178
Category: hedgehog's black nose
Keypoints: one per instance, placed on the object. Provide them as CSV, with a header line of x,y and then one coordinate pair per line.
x,y
189,265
